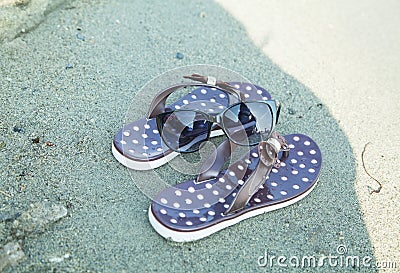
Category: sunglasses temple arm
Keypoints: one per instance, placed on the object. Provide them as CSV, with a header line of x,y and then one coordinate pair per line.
x,y
213,164
278,111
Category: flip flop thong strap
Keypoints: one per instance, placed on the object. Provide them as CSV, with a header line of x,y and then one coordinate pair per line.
x,y
157,106
268,153
221,84
212,165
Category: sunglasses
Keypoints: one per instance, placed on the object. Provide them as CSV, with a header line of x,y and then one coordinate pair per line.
x,y
244,123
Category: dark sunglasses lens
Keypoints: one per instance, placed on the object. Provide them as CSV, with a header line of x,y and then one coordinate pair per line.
x,y
184,131
248,123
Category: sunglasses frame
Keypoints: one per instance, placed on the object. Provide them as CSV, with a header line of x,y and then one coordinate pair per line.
x,y
274,106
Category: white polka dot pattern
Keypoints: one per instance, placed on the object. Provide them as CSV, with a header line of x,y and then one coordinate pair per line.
x,y
209,200
140,140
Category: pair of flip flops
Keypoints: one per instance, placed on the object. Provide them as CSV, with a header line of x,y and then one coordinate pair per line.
x,y
276,173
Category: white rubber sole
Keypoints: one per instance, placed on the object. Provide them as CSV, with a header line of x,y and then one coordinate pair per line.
x,y
181,236
149,165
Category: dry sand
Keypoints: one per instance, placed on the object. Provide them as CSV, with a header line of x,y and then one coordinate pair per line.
x,y
20,16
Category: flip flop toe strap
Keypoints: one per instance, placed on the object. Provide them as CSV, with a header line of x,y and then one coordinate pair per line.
x,y
213,81
213,164
268,153
158,104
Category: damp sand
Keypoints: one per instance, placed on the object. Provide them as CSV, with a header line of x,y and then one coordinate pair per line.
x,y
65,88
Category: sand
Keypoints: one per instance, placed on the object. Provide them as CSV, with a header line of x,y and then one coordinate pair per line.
x,y
348,55
70,81
20,16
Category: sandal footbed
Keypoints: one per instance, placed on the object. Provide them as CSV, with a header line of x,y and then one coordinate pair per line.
x,y
191,206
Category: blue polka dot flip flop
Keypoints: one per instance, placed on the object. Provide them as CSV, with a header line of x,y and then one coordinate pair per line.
x,y
138,145
276,173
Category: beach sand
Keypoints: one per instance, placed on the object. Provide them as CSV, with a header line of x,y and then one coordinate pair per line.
x,y
65,88
20,16
348,55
